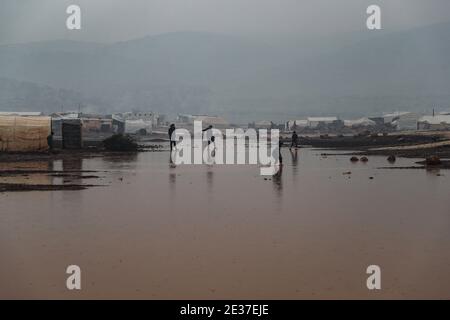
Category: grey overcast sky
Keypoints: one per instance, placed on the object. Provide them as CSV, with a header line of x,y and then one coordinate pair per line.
x,y
115,20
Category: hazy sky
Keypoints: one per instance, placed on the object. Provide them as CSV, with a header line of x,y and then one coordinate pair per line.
x,y
113,20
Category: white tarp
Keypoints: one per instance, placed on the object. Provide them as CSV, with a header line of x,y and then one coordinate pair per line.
x,y
363,122
438,119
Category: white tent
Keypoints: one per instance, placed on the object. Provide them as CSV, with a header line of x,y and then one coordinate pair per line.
x,y
292,124
363,122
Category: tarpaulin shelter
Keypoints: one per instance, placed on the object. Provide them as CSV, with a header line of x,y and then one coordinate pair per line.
x,y
137,126
24,134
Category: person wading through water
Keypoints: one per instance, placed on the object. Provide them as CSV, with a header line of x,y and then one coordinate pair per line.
x,y
172,139
294,140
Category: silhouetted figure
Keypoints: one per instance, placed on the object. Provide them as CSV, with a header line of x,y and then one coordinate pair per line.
x,y
209,135
50,141
173,142
294,140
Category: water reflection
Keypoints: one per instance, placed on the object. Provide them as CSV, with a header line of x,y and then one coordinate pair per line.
x,y
278,183
294,156
121,157
433,171
172,158
72,169
209,179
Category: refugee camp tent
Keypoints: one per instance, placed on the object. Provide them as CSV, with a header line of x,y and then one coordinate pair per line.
x,y
72,135
437,122
138,126
402,120
292,125
215,121
363,122
264,124
24,134
314,122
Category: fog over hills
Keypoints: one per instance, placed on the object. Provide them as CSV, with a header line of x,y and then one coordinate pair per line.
x,y
240,78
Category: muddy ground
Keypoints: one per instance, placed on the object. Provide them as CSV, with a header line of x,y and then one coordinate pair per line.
x,y
367,142
399,145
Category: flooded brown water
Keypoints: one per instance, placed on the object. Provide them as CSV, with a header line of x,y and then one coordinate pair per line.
x,y
224,232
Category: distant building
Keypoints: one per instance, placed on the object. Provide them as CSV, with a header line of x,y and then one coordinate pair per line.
x,y
437,122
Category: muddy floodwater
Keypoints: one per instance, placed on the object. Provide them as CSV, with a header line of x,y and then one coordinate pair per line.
x,y
154,231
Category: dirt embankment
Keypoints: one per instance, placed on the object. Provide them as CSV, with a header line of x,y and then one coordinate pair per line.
x,y
368,142
401,145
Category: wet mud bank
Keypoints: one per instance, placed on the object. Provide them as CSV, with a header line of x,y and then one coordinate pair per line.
x,y
367,142
21,172
22,187
402,145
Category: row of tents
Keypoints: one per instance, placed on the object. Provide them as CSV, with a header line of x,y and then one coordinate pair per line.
x,y
397,121
28,131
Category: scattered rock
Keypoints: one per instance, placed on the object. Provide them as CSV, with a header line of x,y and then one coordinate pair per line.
x,y
364,159
348,172
354,159
371,178
391,158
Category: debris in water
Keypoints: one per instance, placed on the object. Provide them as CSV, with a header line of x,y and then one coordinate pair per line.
x,y
120,142
391,158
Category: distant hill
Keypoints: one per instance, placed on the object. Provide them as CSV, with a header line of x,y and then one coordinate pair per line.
x,y
27,96
239,78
